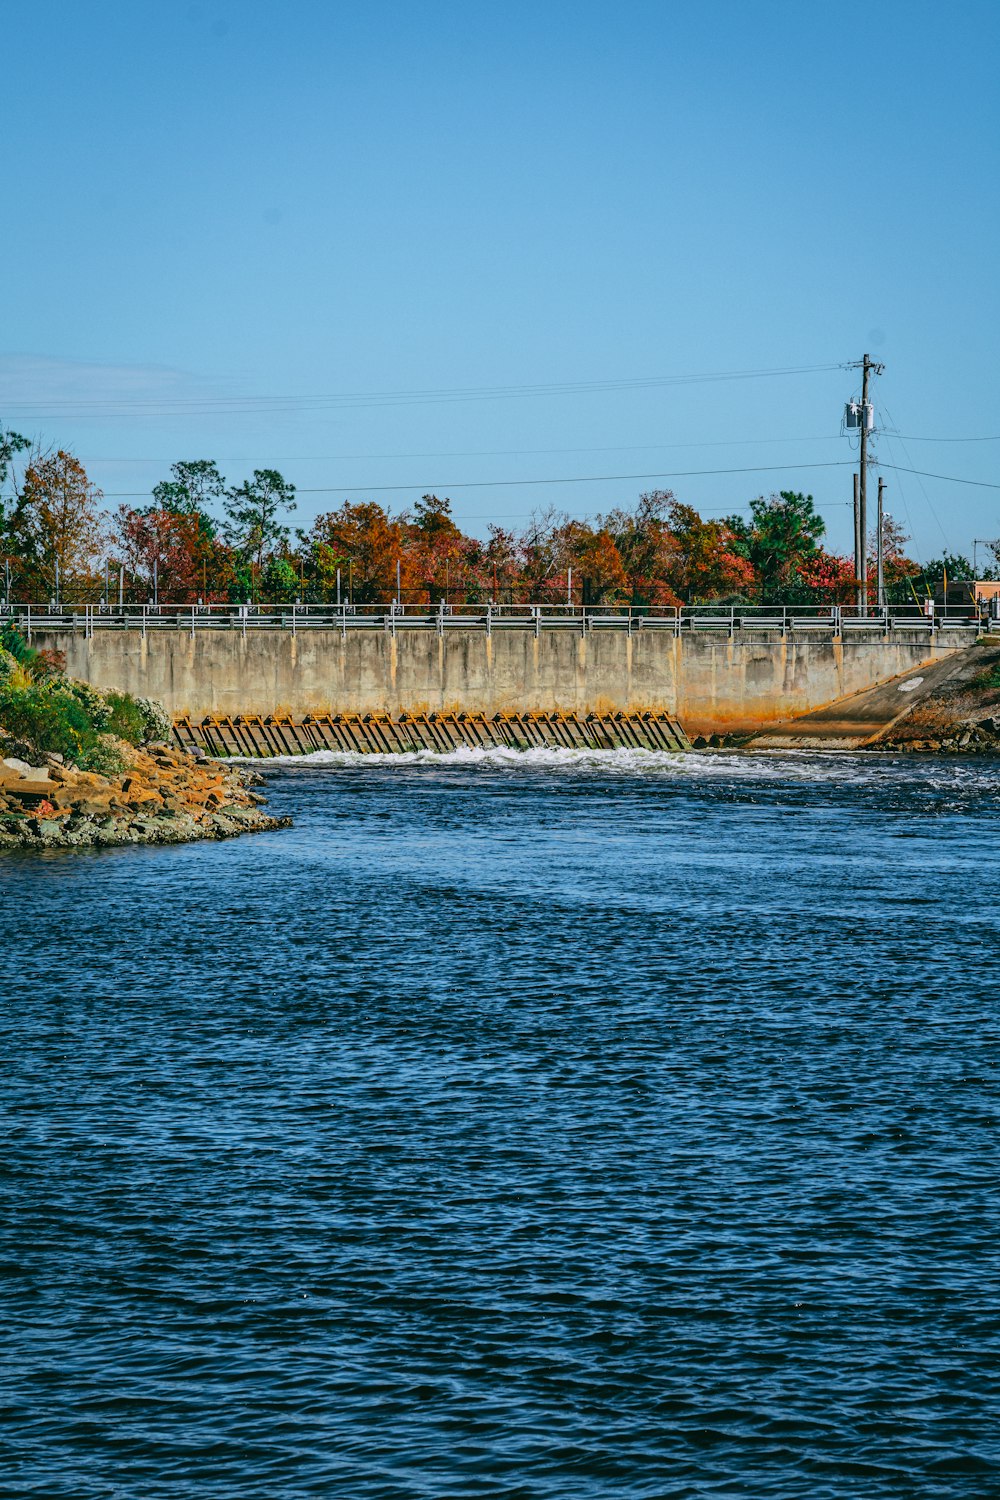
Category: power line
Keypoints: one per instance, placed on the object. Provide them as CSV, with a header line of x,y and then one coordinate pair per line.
x,y
911,438
983,484
327,458
229,405
482,484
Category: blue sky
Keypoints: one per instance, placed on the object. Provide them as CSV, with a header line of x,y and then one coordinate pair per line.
x,y
220,220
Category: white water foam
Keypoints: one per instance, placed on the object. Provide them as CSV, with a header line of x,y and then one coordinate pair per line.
x,y
771,765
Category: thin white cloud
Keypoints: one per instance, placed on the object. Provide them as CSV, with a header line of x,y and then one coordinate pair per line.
x,y
34,386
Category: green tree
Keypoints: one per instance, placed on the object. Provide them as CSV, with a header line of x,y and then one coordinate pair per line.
x,y
279,582
253,514
780,540
195,486
11,444
958,568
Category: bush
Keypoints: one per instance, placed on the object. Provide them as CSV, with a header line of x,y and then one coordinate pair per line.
x,y
125,719
157,723
50,712
93,702
104,756
13,641
47,720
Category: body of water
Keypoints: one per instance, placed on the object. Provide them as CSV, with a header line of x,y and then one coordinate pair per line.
x,y
548,1127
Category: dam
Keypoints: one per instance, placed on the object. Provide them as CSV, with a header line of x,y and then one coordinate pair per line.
x,y
715,671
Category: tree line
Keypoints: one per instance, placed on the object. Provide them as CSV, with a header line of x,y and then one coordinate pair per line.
x,y
199,538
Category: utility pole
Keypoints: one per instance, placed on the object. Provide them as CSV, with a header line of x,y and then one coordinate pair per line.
x,y
862,420
857,538
880,546
992,542
863,505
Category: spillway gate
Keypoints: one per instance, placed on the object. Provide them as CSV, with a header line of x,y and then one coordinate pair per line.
x,y
380,734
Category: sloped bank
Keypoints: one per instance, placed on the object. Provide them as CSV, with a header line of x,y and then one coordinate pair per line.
x,y
961,716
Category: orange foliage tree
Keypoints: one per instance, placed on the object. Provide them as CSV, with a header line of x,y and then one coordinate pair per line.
x,y
59,530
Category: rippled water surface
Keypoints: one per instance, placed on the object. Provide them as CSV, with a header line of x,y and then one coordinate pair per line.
x,y
564,1126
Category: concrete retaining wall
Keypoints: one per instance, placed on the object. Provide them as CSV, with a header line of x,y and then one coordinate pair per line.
x,y
708,681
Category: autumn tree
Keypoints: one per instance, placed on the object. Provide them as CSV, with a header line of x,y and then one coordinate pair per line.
x,y
435,550
163,553
172,547
58,527
645,546
898,570
499,563
364,542
704,559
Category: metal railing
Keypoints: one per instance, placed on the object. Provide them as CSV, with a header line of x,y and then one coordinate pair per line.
x,y
729,619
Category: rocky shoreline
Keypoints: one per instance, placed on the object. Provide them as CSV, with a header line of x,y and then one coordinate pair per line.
x,y
164,796
961,737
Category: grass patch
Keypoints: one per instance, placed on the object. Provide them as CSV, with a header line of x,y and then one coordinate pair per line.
x,y
988,680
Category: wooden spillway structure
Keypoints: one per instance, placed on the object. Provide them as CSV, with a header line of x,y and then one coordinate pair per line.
x,y
380,734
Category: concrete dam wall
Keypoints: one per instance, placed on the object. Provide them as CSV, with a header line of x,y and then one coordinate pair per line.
x,y
710,680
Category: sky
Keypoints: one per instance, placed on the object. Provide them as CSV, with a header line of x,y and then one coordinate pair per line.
x,y
466,247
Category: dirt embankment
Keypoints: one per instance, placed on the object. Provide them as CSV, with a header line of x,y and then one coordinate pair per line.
x,y
962,716
164,796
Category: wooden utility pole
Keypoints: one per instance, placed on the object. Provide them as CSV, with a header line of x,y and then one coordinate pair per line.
x,y
866,365
857,538
880,546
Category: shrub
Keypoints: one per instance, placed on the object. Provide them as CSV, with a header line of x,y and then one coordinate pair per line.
x,y
125,718
47,720
93,702
157,723
51,712
13,641
104,756
41,664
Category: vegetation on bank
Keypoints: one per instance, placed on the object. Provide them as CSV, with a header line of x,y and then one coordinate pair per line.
x,y
200,538
44,711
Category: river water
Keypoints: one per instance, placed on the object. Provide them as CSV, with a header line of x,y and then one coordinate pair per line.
x,y
562,1125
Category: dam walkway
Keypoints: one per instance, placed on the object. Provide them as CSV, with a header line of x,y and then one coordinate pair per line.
x,y
718,620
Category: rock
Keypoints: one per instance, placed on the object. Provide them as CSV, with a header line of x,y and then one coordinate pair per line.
x,y
13,764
